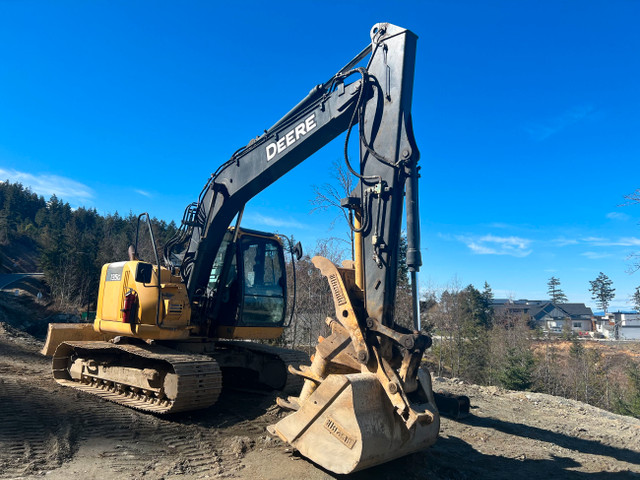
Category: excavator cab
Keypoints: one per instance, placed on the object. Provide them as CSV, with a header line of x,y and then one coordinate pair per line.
x,y
247,286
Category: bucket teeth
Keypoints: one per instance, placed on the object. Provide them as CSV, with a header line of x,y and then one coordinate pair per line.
x,y
305,372
291,403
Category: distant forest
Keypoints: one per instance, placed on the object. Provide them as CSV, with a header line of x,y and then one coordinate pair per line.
x,y
70,246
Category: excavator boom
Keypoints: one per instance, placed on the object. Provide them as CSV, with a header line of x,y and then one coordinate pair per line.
x,y
379,100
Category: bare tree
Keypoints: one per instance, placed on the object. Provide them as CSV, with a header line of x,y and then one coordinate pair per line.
x,y
633,198
329,196
446,317
314,301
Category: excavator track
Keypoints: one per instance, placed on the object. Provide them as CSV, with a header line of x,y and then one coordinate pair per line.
x,y
179,381
293,383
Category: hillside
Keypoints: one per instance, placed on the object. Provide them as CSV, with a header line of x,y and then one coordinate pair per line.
x,y
64,243
48,430
20,257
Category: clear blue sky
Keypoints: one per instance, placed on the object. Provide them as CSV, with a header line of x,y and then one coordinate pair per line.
x,y
527,115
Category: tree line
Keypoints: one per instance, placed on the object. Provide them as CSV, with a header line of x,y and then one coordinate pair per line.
x,y
601,289
71,244
479,345
475,343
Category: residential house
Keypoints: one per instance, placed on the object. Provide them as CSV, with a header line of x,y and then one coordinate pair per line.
x,y
522,307
559,317
619,325
549,316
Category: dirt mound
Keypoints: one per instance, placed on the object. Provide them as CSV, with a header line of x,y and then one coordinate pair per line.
x,y
28,311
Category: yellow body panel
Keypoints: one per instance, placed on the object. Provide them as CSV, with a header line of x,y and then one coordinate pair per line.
x,y
174,318
117,279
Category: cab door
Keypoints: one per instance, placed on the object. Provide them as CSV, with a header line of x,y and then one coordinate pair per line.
x,y
262,270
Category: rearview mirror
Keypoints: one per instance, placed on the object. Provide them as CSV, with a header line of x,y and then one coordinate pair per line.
x,y
144,272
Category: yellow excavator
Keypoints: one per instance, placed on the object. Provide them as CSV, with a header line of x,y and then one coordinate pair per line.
x,y
164,331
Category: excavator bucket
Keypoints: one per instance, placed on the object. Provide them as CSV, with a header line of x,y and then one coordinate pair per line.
x,y
365,399
348,423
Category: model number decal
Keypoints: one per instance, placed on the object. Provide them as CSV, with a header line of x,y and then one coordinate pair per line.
x,y
291,137
114,272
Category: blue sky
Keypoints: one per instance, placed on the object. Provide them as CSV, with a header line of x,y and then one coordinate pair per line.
x,y
526,113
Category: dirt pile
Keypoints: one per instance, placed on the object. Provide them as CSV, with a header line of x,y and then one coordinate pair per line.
x,y
31,310
55,433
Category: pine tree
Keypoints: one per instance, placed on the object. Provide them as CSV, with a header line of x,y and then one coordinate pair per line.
x,y
487,308
72,245
517,372
601,291
631,404
635,298
556,295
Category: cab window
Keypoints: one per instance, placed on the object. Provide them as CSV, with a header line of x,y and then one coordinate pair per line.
x,y
263,282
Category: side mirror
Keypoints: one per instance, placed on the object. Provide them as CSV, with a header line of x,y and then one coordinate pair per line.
x,y
297,251
144,272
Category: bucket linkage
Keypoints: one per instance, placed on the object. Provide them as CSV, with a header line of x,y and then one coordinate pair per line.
x,y
365,399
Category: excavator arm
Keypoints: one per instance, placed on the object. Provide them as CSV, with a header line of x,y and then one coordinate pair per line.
x,y
379,99
365,399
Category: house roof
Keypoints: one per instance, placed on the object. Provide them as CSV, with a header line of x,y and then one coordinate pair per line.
x,y
538,309
522,302
541,310
575,309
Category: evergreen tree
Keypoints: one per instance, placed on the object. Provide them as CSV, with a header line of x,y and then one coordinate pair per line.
x,y
477,305
72,245
4,228
404,300
556,295
517,373
403,269
487,304
635,298
631,405
602,291
18,208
